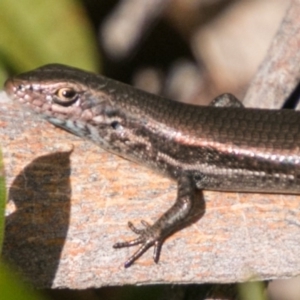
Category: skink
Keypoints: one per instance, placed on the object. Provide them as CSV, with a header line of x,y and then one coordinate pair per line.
x,y
219,147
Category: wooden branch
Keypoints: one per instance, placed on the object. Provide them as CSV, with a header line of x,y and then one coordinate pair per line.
x,y
73,201
69,202
279,73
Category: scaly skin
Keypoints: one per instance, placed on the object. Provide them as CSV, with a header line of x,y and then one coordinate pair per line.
x,y
218,148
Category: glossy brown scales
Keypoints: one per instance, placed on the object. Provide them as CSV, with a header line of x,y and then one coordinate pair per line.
x,y
218,148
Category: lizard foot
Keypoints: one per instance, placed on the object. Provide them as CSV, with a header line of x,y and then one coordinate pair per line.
x,y
148,237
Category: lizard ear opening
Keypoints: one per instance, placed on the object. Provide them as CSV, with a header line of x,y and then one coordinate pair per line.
x,y
65,96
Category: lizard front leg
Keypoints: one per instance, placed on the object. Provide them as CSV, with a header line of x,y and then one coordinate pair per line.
x,y
184,211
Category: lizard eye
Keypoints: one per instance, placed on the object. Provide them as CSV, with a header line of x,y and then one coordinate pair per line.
x,y
115,124
65,96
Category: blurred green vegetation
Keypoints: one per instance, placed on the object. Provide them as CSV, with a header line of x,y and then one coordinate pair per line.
x,y
2,201
12,288
252,290
34,33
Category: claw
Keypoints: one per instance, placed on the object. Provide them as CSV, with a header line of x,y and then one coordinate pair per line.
x,y
139,231
156,251
137,254
148,237
128,243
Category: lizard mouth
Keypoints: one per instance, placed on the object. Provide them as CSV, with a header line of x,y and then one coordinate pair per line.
x,y
26,94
